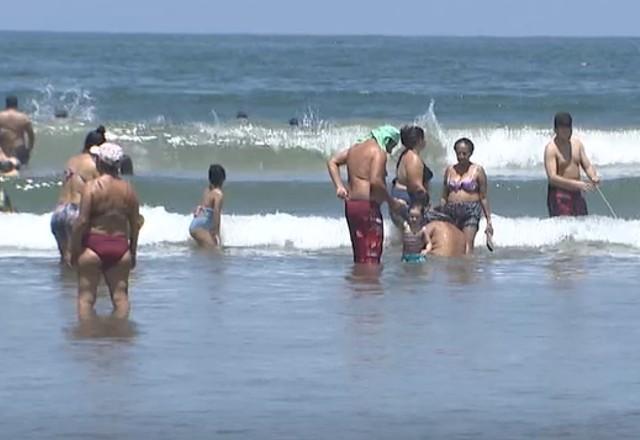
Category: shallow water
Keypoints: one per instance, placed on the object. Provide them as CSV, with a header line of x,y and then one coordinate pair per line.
x,y
282,347
281,336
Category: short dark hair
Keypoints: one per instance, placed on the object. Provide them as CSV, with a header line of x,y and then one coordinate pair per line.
x,y
95,137
12,101
217,175
418,203
562,119
465,141
410,135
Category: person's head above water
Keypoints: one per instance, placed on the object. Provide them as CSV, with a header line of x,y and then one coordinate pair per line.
x,y
95,137
464,149
217,175
416,212
12,102
412,137
563,125
386,136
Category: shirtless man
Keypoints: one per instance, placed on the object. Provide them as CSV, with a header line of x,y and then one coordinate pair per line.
x,y
444,239
563,158
105,235
79,170
16,133
366,166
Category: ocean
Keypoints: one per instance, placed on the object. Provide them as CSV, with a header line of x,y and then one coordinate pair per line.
x,y
280,336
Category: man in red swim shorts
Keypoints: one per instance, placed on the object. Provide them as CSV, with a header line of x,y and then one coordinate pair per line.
x,y
366,163
564,156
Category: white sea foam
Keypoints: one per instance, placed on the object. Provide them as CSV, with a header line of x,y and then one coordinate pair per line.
x,y
315,233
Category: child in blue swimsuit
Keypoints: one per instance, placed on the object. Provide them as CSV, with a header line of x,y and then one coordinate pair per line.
x,y
205,226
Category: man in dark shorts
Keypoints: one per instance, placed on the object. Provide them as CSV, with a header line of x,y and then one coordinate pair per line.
x,y
564,156
366,166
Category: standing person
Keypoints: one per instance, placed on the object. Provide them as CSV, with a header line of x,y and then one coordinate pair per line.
x,y
563,158
205,226
464,195
79,170
105,235
366,167
412,175
16,132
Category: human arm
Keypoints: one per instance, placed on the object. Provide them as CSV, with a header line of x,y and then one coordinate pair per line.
x,y
135,224
31,136
484,200
426,237
587,166
445,188
377,174
551,168
80,225
333,166
218,200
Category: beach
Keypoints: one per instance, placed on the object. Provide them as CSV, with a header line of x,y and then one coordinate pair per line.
x,y
280,336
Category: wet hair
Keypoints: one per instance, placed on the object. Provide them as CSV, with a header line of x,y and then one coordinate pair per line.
x,y
411,135
419,204
95,137
562,119
107,168
242,115
126,165
293,122
217,175
464,141
12,101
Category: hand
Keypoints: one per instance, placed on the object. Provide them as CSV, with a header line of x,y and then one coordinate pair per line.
x,y
67,259
342,193
596,180
397,206
424,252
586,186
489,229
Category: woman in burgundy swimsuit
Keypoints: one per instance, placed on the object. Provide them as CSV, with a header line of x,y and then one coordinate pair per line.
x,y
105,235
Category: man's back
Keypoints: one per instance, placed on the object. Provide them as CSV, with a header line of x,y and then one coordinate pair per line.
x,y
359,163
446,239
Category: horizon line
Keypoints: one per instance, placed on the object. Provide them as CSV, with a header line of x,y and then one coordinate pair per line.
x,y
300,34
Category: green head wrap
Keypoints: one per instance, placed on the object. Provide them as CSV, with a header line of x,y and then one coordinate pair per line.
x,y
385,135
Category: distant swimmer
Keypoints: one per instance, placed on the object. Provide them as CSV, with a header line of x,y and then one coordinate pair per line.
x,y
104,239
412,174
414,235
366,167
79,170
16,132
464,195
293,122
563,158
205,226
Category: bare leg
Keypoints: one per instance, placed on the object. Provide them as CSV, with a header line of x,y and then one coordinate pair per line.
x,y
88,278
469,237
203,238
117,278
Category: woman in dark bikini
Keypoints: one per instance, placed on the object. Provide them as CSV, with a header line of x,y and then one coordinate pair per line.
x,y
105,235
412,175
464,195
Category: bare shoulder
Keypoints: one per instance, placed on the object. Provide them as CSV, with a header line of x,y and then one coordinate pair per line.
x,y
217,194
